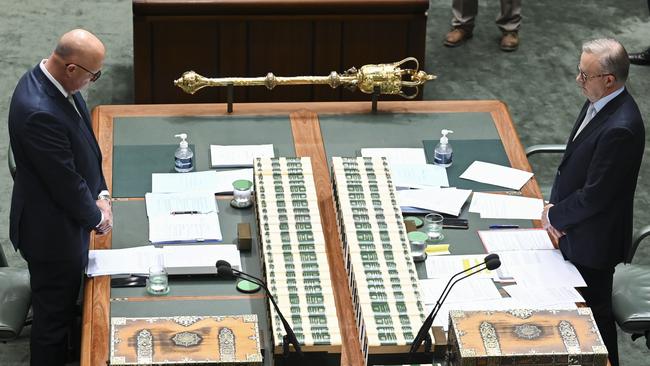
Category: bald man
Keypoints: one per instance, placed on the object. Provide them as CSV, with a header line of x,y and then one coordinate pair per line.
x,y
59,194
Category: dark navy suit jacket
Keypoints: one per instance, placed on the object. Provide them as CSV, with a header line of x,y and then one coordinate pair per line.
x,y
593,192
58,171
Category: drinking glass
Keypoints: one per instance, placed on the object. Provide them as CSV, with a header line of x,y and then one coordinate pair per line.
x,y
433,227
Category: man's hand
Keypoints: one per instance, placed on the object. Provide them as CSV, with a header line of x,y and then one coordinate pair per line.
x,y
546,224
107,222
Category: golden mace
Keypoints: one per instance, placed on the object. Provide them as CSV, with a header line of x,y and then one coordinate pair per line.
x,y
390,79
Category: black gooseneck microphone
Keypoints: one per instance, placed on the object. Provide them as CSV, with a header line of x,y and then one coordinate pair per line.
x,y
491,262
225,269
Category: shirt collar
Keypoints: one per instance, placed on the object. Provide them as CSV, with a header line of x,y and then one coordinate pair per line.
x,y
52,79
600,103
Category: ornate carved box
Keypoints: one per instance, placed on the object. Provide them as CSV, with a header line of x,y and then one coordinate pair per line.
x,y
185,340
525,337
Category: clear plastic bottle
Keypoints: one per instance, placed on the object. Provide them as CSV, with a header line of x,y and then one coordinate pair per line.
x,y
443,154
184,157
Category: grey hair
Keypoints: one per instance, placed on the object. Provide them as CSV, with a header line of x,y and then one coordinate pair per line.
x,y
612,56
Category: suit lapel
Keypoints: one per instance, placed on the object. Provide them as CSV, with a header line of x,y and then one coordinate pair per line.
x,y
596,122
84,122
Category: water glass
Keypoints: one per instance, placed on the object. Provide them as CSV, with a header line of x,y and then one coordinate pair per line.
x,y
157,283
433,227
418,243
242,190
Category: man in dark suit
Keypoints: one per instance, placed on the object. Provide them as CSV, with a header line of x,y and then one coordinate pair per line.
x,y
591,204
59,193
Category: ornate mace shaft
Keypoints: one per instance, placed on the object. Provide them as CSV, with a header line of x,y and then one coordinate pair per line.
x,y
390,78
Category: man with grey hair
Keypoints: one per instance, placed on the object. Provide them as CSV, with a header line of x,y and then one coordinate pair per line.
x,y
592,200
59,194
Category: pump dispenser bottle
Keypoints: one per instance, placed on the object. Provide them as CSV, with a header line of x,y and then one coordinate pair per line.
x,y
184,157
443,153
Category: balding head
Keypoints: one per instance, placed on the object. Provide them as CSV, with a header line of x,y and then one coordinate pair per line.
x,y
78,56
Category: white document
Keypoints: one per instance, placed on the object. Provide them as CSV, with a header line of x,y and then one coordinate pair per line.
x,y
225,179
501,206
473,289
448,265
206,181
225,156
171,203
397,155
177,259
497,175
419,175
546,296
500,240
184,228
539,268
445,200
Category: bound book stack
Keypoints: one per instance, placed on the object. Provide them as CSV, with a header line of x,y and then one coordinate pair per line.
x,y
382,277
293,253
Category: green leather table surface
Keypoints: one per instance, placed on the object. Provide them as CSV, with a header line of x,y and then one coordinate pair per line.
x,y
139,140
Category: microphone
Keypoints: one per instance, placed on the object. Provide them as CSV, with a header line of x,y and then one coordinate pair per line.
x,y
491,262
224,269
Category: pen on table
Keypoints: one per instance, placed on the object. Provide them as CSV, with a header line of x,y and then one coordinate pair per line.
x,y
504,226
185,212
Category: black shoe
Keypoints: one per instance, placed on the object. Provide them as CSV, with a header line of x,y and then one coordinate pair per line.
x,y
641,58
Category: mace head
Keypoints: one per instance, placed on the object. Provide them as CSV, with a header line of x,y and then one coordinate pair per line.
x,y
190,82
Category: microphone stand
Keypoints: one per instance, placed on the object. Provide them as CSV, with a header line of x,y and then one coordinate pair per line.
x,y
290,337
423,333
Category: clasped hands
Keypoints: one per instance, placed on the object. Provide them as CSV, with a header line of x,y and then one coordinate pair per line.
x,y
106,224
546,224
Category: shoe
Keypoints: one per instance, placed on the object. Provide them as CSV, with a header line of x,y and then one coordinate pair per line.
x,y
457,36
509,41
640,58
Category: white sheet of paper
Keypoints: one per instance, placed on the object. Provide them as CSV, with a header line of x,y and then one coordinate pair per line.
x,y
183,228
446,200
226,177
550,296
497,175
166,203
448,265
397,155
539,268
184,182
501,206
178,259
419,175
500,240
225,156
476,289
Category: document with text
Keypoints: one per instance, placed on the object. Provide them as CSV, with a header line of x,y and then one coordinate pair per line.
x,y
497,175
397,155
502,206
226,156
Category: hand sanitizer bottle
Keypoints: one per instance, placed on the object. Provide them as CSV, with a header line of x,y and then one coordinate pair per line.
x,y
183,158
443,153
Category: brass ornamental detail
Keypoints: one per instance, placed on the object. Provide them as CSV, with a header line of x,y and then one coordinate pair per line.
x,y
390,78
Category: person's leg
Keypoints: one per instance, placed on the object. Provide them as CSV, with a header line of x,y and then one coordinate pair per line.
x,y
55,287
598,296
462,23
509,22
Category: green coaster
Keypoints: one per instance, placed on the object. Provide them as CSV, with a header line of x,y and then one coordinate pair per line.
x,y
247,287
417,236
416,220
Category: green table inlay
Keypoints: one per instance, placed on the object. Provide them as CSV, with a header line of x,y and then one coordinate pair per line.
x,y
465,153
145,145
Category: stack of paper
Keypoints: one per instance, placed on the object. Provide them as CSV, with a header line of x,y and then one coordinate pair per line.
x,y
497,175
177,259
182,217
207,181
419,176
445,200
501,206
496,241
225,156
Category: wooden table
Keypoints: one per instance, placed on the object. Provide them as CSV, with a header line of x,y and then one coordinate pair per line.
x,y
223,38
308,141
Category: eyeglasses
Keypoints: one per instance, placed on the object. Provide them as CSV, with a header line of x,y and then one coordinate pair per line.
x,y
95,75
584,77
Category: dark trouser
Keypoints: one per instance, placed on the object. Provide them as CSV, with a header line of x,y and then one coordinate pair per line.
x,y
55,290
598,296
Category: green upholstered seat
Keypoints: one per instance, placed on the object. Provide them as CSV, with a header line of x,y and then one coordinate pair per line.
x,y
631,294
15,299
